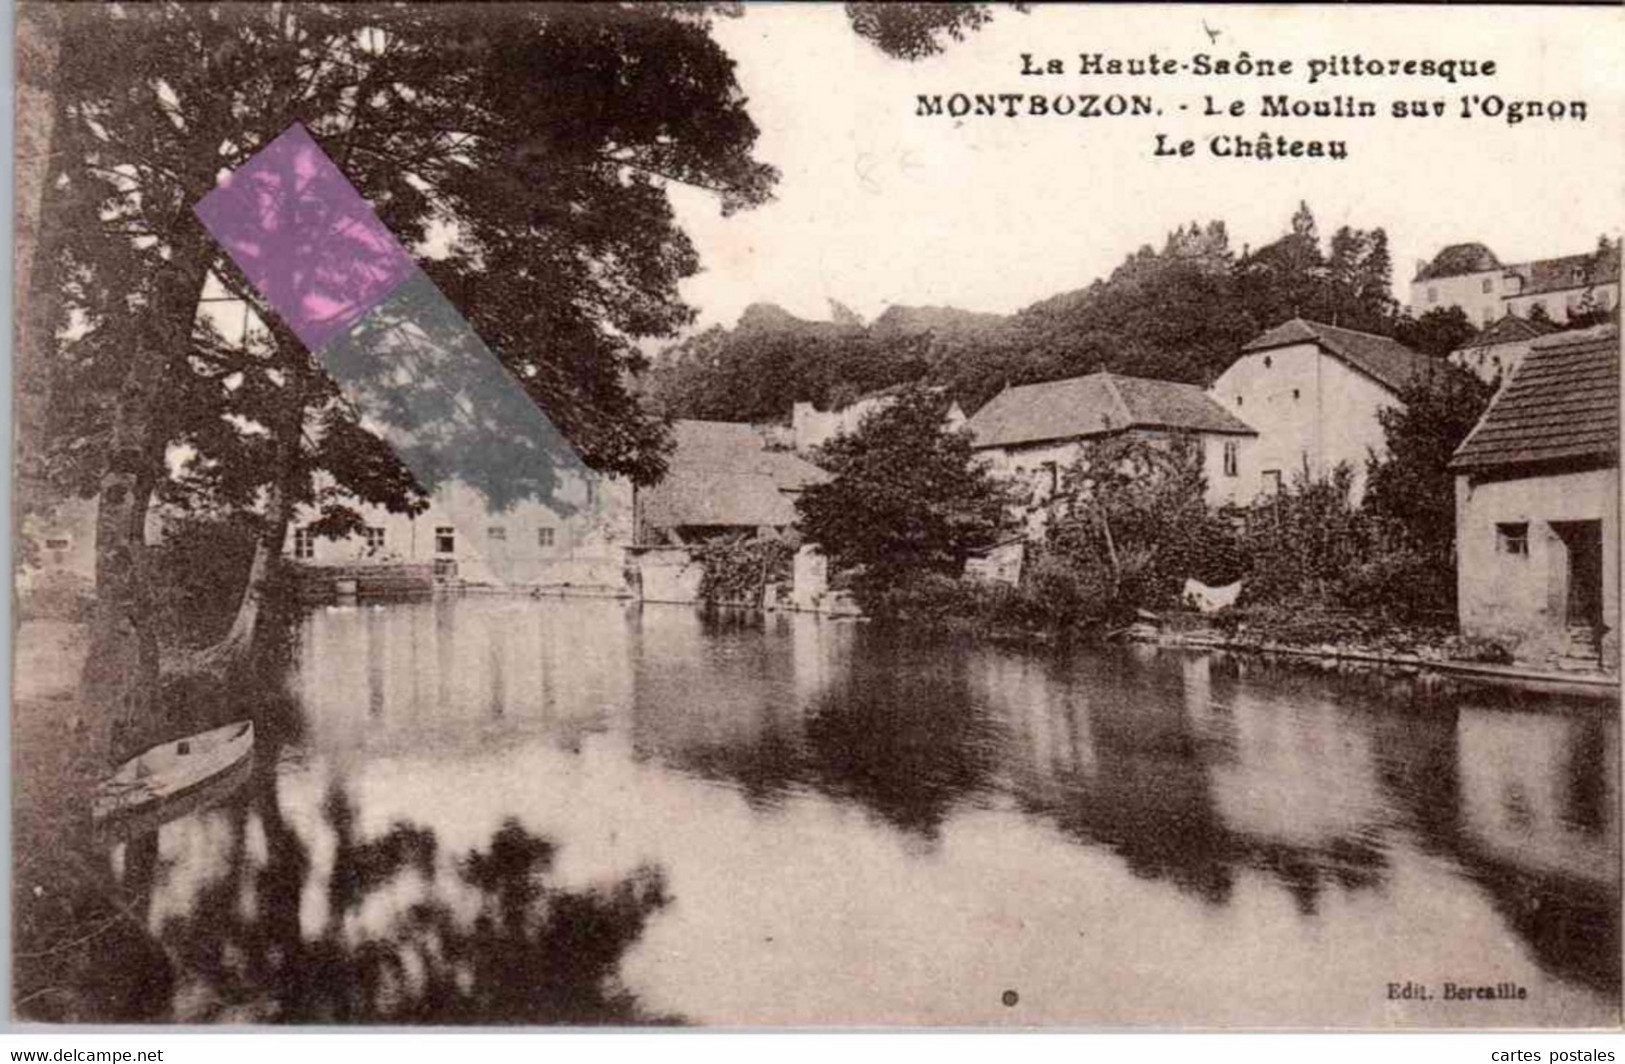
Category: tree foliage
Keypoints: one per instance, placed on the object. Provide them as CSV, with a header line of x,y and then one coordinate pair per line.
x,y
1411,487
1305,542
1132,508
915,31
563,250
906,498
1437,332
1602,268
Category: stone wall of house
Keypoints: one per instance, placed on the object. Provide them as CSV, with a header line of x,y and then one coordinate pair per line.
x,y
1309,408
1478,294
667,574
1492,361
579,541
811,427
1225,483
1561,304
1519,599
1029,469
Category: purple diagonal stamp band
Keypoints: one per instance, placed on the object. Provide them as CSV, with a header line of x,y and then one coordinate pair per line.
x,y
305,238
407,361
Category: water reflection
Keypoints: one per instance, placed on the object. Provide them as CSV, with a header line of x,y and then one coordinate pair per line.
x,y
890,730
382,928
842,816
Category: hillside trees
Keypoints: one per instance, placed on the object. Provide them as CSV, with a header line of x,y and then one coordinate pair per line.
x,y
1437,332
1177,312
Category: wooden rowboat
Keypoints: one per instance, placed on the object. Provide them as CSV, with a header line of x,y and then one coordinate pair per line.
x,y
173,779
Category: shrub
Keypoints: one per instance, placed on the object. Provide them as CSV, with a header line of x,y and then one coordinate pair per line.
x,y
1306,541
1403,584
1066,594
737,572
1132,522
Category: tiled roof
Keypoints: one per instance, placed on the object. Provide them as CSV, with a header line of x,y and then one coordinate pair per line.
x,y
723,473
1562,403
1510,329
1387,361
1569,271
1167,404
738,447
697,497
1094,405
1459,259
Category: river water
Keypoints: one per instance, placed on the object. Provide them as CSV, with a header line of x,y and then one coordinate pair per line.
x,y
507,809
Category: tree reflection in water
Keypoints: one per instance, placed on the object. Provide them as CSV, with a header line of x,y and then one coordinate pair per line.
x,y
893,731
909,746
521,951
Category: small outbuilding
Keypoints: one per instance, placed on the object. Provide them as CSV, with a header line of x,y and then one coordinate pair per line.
x,y
1537,507
725,480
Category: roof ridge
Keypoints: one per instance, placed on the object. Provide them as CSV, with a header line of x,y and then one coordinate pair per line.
x,y
1117,397
1345,329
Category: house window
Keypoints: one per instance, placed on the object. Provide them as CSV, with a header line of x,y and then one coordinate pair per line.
x,y
544,537
1433,295
56,544
1231,447
1489,315
1051,475
1513,538
1238,400
1487,286
1296,393
497,534
1268,362
375,540
304,544
445,540
1272,482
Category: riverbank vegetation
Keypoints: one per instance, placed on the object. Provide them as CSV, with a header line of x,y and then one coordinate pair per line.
x,y
1128,526
740,572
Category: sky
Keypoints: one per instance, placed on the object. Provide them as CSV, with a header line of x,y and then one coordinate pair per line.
x,y
878,206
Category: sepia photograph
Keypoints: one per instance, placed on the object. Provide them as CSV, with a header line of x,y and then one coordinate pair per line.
x,y
816,517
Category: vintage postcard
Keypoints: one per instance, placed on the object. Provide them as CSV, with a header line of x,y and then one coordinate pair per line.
x,y
817,516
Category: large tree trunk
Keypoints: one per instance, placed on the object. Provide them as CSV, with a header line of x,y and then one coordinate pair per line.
x,y
120,682
234,648
34,288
